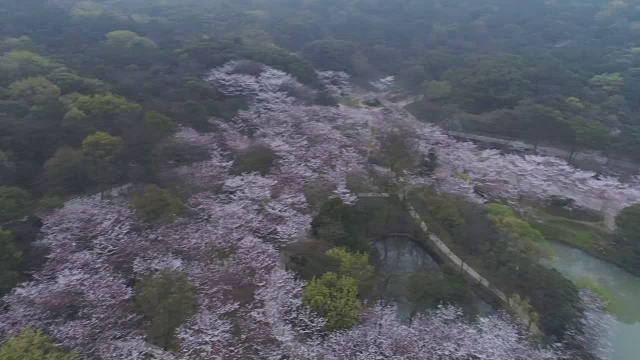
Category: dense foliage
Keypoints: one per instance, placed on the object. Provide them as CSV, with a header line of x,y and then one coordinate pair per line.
x,y
167,300
157,204
32,345
628,222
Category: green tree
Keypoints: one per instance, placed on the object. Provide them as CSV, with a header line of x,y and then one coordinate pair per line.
x,y
444,210
353,265
520,243
107,111
7,168
507,222
493,83
387,59
167,300
128,39
88,9
590,134
19,64
75,117
575,103
34,90
77,125
10,259
256,158
398,152
102,152
170,152
195,112
412,78
70,82
14,203
20,43
553,297
628,222
33,345
66,173
157,204
106,105
335,298
331,54
435,90
336,223
309,259
294,32
429,163
539,123
437,61
158,121
608,82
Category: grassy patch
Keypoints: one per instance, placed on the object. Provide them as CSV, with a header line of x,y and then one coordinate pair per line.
x,y
578,214
570,233
589,237
579,228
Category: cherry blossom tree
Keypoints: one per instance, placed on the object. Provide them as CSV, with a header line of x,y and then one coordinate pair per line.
x,y
442,334
336,82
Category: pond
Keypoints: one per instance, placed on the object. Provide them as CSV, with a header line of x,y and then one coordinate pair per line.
x,y
397,259
624,287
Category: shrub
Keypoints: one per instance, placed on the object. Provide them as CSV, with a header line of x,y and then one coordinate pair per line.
x,y
155,204
335,298
308,259
167,300
32,345
256,158
628,222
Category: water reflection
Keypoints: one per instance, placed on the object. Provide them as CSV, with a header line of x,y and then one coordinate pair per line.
x,y
396,259
402,265
624,287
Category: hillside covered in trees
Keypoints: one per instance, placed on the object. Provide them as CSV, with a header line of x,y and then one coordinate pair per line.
x,y
245,134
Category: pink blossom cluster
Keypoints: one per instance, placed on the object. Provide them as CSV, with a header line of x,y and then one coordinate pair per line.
x,y
464,167
512,177
83,296
337,83
442,334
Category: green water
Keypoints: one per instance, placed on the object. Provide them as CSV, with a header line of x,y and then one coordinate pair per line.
x,y
624,287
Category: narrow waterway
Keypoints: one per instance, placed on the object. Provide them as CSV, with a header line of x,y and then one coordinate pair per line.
x,y
624,287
